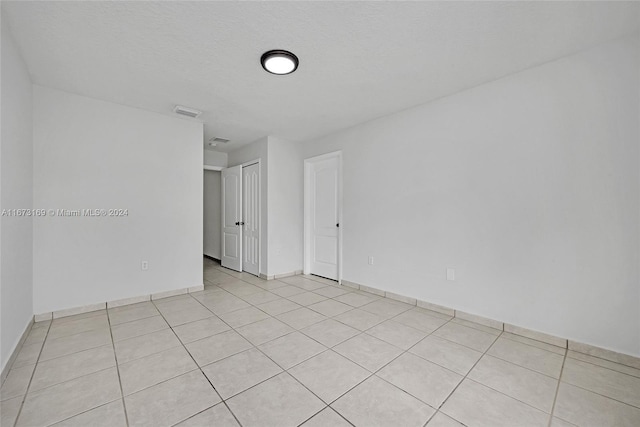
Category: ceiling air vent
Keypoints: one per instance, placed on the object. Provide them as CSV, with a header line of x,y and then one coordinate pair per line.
x,y
186,111
217,140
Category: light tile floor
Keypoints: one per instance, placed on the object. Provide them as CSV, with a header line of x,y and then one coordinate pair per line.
x,y
302,351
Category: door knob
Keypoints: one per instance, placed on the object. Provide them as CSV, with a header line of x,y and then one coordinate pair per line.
x,y
241,222
237,223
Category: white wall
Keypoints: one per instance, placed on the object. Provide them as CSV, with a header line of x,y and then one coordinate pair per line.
x,y
212,213
528,186
215,158
16,179
258,150
95,154
285,207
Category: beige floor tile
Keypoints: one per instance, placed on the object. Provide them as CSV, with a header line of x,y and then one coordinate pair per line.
x,y
604,381
601,362
557,422
36,336
242,290
172,401
291,349
359,319
129,313
244,316
155,368
419,319
261,297
476,405
448,354
356,299
278,307
65,400
220,304
239,372
387,308
301,318
400,335
218,416
74,343
326,418
478,326
59,330
586,409
463,335
515,381
442,420
303,283
72,366
28,355
375,402
109,415
17,381
135,348
534,343
138,328
216,347
271,284
200,329
264,331
333,291
329,375
329,332
330,307
422,379
66,319
9,411
306,298
319,279
287,291
368,352
534,358
190,313
280,401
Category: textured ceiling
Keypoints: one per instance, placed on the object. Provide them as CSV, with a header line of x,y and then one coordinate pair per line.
x,y
358,60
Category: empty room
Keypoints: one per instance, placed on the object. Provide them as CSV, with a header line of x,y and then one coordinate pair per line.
x,y
323,213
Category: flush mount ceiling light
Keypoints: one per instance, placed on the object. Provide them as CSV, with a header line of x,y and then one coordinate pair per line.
x,y
279,62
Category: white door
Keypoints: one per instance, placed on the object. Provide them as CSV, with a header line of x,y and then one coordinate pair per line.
x,y
251,218
231,256
324,217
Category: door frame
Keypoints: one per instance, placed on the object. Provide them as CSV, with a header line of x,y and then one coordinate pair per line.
x,y
307,210
260,234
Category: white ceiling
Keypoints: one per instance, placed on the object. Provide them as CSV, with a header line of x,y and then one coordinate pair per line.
x,y
358,60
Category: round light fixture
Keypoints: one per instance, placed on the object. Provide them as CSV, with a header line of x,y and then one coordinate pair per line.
x,y
279,62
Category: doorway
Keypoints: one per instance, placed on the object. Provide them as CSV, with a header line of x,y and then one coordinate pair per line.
x,y
322,216
241,218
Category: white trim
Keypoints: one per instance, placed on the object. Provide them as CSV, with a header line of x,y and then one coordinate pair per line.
x,y
212,168
261,234
307,231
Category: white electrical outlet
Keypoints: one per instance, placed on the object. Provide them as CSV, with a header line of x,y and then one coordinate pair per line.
x,y
370,260
144,265
451,274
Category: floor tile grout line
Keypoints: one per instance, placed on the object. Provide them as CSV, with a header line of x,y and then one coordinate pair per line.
x,y
115,355
506,337
465,377
605,367
555,397
286,370
35,367
198,367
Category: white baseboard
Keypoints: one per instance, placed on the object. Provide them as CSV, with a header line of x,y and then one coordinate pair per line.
x,y
115,303
567,344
